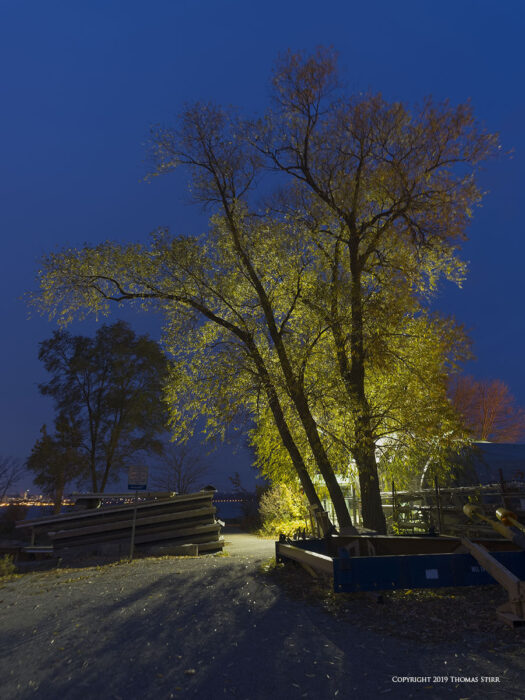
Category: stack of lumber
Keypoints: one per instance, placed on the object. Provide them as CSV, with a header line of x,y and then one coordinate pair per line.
x,y
177,521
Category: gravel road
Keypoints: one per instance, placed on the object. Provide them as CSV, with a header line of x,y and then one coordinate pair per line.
x,y
215,627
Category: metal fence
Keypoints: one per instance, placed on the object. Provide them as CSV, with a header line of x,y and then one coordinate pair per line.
x,y
440,509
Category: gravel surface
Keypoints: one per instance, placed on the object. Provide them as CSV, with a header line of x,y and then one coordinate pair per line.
x,y
221,626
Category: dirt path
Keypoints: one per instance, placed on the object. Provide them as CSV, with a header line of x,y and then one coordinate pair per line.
x,y
212,627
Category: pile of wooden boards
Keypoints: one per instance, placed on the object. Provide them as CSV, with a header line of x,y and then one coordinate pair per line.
x,y
180,521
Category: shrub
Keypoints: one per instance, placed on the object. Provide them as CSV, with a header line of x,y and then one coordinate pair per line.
x,y
7,566
283,510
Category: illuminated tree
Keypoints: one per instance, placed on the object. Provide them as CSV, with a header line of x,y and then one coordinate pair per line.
x,y
390,191
372,204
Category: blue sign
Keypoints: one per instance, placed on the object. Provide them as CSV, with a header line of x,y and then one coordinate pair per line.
x,y
137,478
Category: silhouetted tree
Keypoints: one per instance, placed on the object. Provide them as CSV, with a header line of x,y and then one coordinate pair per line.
x,y
181,470
112,384
57,460
11,470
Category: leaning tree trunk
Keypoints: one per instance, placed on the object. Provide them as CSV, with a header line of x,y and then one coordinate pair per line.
x,y
282,426
57,499
322,461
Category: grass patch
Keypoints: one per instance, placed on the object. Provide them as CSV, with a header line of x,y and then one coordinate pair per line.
x,y
268,567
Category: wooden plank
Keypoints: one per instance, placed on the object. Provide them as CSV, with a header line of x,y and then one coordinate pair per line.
x,y
184,550
160,529
127,494
171,550
102,512
399,544
127,514
318,562
308,569
210,546
500,573
188,535
510,618
38,550
507,517
125,524
188,532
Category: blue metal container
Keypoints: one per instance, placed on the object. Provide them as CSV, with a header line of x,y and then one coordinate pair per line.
x,y
383,573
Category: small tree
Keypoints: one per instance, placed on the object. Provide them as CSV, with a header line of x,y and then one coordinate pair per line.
x,y
56,460
488,409
250,502
181,470
10,472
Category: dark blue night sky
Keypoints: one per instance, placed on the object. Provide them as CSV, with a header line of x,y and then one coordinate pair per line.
x,y
82,83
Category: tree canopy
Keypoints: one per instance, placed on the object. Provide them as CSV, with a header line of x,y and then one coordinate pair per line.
x,y
308,299
488,409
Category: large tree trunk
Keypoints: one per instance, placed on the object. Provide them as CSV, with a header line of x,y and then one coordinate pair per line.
x,y
57,499
354,379
284,432
365,458
353,375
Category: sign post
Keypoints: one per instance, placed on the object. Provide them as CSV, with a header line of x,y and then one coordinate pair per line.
x,y
137,481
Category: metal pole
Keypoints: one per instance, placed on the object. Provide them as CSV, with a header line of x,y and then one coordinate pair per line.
x,y
503,489
132,545
438,504
394,509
